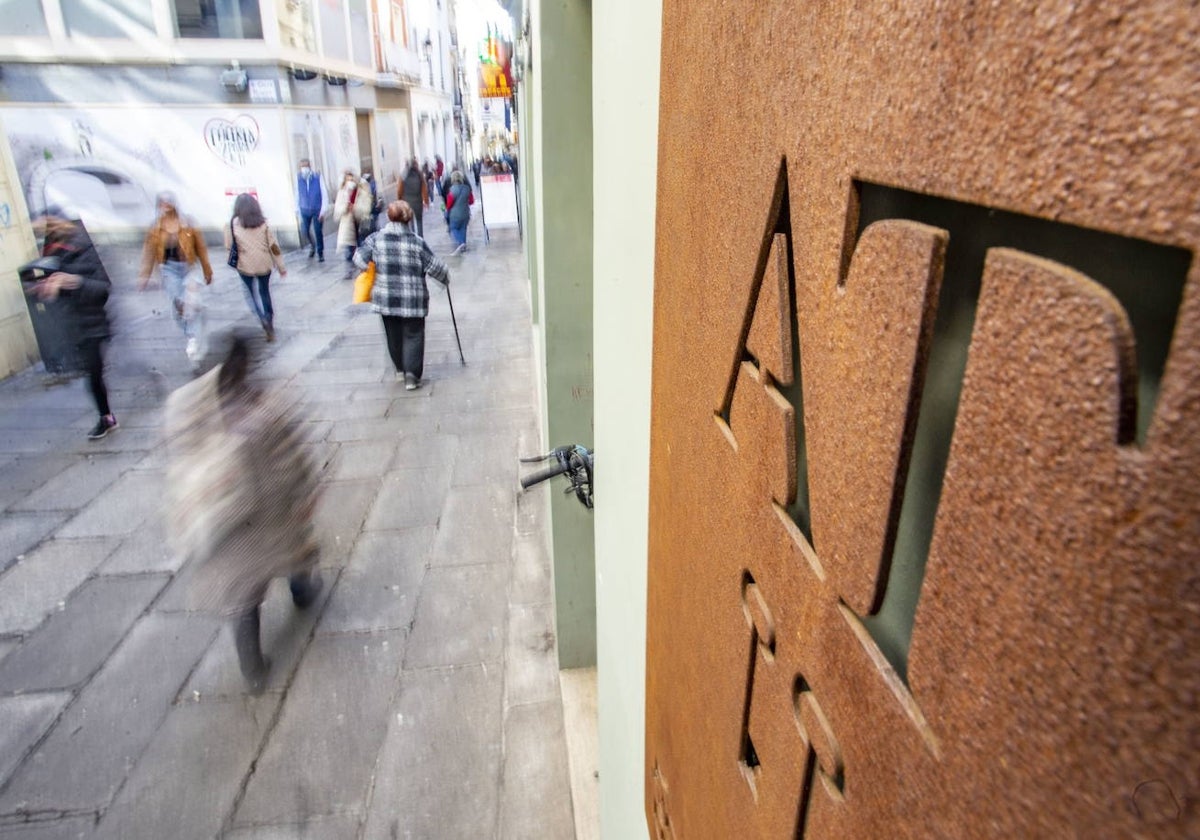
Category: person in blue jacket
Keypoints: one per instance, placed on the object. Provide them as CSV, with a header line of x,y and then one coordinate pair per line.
x,y
311,199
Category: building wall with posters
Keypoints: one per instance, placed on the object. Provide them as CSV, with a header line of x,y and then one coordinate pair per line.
x,y
105,105
18,348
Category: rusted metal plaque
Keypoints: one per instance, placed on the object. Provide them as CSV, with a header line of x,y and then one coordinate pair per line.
x,y
925,512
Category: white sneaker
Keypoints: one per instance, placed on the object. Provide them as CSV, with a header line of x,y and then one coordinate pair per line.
x,y
193,349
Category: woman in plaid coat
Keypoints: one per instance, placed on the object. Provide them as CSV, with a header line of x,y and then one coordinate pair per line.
x,y
401,296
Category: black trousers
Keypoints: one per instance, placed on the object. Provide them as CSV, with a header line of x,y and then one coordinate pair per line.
x,y
91,355
406,343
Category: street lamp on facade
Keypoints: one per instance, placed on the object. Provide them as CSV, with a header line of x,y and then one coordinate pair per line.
x,y
428,48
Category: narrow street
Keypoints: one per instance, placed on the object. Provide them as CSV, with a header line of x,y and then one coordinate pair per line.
x,y
418,698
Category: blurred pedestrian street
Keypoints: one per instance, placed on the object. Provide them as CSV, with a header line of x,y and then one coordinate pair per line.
x,y
418,698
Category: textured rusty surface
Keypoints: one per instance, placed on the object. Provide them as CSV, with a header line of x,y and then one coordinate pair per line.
x,y
1052,679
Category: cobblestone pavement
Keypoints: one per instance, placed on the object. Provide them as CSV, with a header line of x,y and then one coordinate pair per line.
x,y
418,698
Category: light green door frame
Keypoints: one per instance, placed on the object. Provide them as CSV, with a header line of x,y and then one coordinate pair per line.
x,y
561,80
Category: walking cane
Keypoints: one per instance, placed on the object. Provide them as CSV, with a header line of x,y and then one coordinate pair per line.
x,y
454,321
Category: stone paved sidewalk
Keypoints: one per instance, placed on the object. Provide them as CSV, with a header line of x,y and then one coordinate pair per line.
x,y
418,698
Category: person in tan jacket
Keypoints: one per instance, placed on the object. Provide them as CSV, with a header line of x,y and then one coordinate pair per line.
x,y
258,252
173,245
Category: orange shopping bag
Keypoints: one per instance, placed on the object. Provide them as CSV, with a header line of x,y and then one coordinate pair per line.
x,y
363,284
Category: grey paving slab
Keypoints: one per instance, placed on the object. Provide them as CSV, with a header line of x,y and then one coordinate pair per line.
x,y
145,550
364,603
486,459
23,474
363,410
533,510
34,418
7,646
316,431
535,801
361,460
23,720
385,432
38,440
318,828
530,657
419,449
73,643
359,375
120,509
476,526
532,581
414,411
91,749
460,617
20,532
408,498
392,388
72,828
321,755
392,556
283,633
509,420
40,583
439,768
185,783
340,515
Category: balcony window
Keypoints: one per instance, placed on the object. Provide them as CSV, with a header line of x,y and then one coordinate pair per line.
x,y
113,19
22,18
218,19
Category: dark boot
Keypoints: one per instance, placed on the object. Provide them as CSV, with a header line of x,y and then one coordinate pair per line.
x,y
305,587
249,650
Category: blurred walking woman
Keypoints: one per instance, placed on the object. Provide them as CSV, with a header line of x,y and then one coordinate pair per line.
x,y
258,252
240,495
81,282
458,209
174,246
400,295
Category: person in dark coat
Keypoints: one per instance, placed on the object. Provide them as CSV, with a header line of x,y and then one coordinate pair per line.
x,y
414,190
80,282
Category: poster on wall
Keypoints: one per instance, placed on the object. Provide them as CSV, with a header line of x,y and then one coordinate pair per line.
x,y
108,164
393,147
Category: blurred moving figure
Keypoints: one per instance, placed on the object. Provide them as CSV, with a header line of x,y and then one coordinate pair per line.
x,y
352,210
240,498
458,209
173,246
258,251
77,277
413,189
400,294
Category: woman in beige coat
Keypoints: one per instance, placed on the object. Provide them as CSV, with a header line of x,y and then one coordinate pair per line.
x,y
258,251
352,210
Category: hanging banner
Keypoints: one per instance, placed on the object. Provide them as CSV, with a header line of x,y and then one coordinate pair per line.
x,y
495,68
